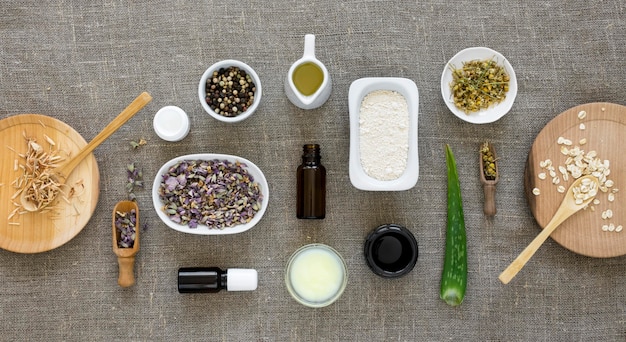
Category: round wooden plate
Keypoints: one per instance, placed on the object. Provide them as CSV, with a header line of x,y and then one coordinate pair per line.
x,y
40,232
604,130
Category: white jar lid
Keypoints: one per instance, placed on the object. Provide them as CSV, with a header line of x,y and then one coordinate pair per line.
x,y
171,123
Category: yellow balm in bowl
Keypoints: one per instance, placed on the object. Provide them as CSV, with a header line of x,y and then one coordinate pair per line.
x,y
316,275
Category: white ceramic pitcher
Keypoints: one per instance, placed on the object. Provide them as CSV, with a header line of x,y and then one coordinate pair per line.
x,y
322,93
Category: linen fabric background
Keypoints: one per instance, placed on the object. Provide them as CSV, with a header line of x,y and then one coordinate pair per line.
x,y
83,62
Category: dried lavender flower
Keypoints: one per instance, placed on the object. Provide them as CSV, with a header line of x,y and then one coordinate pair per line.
x,y
125,223
215,193
136,144
135,180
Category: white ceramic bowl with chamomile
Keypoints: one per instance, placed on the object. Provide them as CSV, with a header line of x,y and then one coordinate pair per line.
x,y
226,64
358,176
492,113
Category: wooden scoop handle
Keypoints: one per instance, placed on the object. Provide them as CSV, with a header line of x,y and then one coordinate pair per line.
x,y
127,273
134,107
490,199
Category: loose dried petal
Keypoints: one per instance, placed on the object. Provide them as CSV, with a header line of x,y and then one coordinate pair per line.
x,y
125,223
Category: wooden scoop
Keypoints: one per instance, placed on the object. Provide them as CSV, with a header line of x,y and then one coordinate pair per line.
x,y
126,255
62,172
489,183
568,207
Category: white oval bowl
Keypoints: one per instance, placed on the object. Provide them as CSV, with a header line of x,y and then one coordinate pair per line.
x,y
253,170
225,64
494,112
358,90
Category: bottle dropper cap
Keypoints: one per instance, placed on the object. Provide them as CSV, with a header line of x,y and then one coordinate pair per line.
x,y
241,279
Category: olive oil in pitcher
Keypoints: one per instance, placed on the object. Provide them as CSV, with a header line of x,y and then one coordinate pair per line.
x,y
308,77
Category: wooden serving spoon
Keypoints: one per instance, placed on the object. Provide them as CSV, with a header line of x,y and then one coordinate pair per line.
x,y
568,207
489,185
126,255
62,172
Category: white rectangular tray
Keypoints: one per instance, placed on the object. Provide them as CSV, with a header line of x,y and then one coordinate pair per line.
x,y
359,89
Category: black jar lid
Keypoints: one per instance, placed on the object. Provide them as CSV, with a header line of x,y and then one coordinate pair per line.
x,y
391,251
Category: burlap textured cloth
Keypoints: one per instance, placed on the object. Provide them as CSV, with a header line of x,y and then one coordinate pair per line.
x,y
82,62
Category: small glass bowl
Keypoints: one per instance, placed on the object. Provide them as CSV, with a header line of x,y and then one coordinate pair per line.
x,y
225,64
312,258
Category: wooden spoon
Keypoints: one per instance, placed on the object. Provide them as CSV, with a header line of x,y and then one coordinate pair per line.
x,y
64,170
568,207
126,255
489,185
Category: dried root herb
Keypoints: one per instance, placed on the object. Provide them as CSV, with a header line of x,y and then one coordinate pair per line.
x,y
36,180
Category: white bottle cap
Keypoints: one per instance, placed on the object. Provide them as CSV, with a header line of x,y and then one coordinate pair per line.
x,y
241,279
171,123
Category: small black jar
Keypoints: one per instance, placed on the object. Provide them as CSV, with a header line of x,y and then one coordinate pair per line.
x,y
391,251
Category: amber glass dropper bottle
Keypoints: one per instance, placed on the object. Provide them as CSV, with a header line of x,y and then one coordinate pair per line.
x,y
311,185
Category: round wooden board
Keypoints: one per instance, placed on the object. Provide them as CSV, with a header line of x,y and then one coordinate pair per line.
x,y
604,129
40,232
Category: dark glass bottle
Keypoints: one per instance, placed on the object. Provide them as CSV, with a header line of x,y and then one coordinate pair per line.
x,y
311,185
214,279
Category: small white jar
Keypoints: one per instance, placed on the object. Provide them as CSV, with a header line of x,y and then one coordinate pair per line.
x,y
171,123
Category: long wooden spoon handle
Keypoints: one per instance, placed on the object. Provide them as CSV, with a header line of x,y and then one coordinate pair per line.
x,y
135,106
521,260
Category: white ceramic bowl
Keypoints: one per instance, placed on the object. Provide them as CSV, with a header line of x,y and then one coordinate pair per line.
x,y
492,113
225,64
358,90
253,170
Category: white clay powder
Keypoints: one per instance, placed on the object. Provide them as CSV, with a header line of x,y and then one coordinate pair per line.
x,y
384,134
